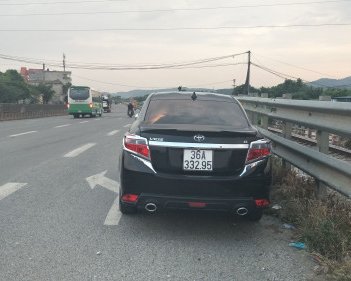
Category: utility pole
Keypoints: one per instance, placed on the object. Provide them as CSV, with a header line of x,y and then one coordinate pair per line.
x,y
64,62
247,83
233,87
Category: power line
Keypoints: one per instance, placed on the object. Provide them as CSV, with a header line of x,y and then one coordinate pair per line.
x,y
179,28
169,10
99,66
60,2
296,66
287,76
146,87
116,84
274,72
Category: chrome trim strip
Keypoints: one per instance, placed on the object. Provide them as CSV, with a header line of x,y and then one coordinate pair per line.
x,y
145,162
248,168
198,145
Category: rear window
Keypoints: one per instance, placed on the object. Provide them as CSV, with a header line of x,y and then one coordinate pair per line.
x,y
79,93
199,112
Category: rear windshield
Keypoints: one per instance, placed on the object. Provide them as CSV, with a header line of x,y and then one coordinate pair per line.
x,y
79,93
199,112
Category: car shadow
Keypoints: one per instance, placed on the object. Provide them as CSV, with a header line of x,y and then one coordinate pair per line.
x,y
182,224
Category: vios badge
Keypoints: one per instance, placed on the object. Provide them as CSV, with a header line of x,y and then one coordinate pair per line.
x,y
199,138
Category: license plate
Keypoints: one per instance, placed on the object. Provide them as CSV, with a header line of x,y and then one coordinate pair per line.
x,y
197,160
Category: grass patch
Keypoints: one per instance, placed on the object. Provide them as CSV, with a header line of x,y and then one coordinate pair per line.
x,y
324,224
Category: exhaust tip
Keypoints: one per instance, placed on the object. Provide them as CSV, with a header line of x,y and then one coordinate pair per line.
x,y
151,207
242,211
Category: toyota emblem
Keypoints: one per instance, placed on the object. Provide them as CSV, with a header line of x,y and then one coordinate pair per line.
x,y
199,138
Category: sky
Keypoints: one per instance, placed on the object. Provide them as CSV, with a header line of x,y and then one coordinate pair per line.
x,y
301,51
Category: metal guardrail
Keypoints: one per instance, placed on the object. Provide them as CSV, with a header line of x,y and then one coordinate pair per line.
x,y
28,111
326,117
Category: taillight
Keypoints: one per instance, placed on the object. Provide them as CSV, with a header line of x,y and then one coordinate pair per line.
x,y
261,203
137,144
258,149
90,105
67,105
130,198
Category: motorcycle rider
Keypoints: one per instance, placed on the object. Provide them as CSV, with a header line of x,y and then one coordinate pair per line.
x,y
130,109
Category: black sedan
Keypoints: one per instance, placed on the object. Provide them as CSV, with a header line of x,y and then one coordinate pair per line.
x,y
194,151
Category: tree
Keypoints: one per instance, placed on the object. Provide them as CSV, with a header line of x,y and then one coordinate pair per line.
x,y
12,87
46,92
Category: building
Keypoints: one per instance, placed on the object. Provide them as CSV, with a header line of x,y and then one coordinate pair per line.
x,y
58,80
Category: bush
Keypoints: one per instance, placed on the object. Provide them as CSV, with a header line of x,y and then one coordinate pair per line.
x,y
324,224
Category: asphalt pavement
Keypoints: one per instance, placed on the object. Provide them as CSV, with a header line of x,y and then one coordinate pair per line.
x,y
59,218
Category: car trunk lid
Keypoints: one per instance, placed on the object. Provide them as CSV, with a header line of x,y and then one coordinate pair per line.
x,y
167,144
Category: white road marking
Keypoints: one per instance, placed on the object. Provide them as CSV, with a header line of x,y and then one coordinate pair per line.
x,y
61,126
100,179
112,133
97,119
10,188
126,126
21,134
114,215
83,122
79,150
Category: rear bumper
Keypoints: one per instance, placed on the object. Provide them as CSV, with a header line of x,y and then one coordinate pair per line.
x,y
137,176
195,203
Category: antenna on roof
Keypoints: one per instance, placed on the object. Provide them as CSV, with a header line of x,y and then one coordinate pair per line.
x,y
194,96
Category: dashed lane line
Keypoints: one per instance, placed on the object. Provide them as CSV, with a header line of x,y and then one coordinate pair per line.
x,y
61,126
82,122
9,188
79,150
21,134
114,215
112,133
126,126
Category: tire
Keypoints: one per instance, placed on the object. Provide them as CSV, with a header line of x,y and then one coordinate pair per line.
x,y
127,209
255,215
75,116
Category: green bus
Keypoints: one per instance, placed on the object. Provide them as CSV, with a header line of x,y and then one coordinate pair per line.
x,y
84,101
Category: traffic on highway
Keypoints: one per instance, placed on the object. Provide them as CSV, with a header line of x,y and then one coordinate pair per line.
x,y
68,187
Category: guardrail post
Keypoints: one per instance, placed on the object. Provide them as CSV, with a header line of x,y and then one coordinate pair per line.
x,y
1,112
254,115
287,132
264,118
323,147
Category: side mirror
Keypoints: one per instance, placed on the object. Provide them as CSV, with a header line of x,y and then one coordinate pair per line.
x,y
136,116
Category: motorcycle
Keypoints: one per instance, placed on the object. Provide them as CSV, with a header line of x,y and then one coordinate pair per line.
x,y
130,113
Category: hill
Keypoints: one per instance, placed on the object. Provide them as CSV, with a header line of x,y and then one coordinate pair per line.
x,y
336,83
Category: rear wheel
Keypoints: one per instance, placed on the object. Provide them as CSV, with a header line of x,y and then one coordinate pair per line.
x,y
126,209
75,116
255,215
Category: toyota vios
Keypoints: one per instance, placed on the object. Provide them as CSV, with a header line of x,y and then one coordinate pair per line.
x,y
194,151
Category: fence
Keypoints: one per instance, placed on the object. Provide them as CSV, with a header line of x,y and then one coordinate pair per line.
x,y
324,116
27,111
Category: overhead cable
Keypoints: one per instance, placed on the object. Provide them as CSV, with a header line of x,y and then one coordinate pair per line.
x,y
59,2
179,28
296,66
287,76
170,10
100,66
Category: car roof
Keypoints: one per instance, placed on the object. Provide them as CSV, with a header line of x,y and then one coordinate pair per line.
x,y
188,95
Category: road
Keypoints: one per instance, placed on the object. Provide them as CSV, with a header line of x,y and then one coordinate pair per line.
x,y
57,225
